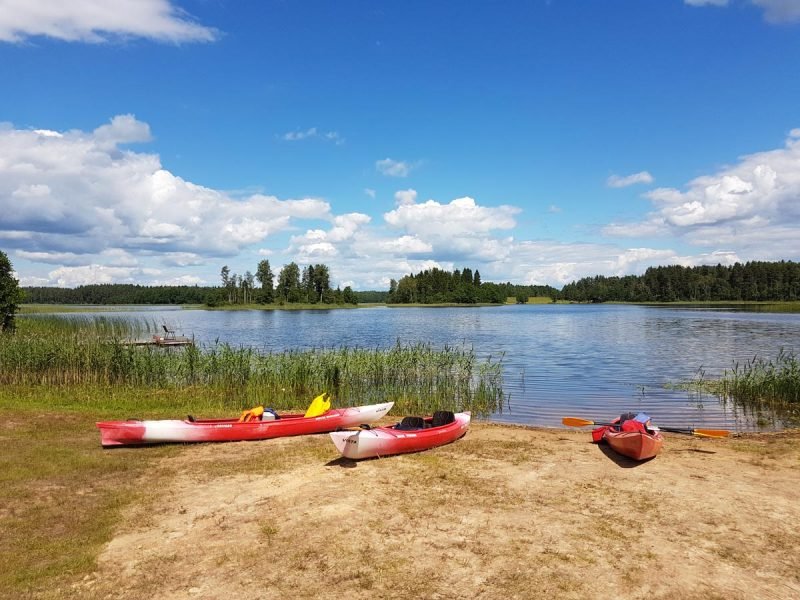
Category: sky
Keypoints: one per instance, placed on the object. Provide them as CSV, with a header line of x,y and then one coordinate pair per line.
x,y
537,141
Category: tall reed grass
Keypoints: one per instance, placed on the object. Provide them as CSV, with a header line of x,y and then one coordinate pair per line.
x,y
765,389
90,351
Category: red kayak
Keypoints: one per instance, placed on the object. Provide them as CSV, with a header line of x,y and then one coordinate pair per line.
x,y
638,442
134,432
412,434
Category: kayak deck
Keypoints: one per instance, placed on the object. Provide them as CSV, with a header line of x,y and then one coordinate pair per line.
x,y
402,438
135,432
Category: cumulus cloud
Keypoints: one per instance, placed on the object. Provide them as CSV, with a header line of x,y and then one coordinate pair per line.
x,y
317,244
67,196
393,168
462,216
751,206
96,21
557,263
405,197
617,181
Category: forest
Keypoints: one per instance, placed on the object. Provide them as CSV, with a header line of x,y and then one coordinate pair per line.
x,y
752,281
435,286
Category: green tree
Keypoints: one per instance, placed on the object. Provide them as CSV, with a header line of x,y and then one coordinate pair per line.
x,y
225,275
349,296
289,283
321,279
267,281
10,294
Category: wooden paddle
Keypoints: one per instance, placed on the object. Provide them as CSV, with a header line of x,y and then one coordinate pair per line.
x,y
715,433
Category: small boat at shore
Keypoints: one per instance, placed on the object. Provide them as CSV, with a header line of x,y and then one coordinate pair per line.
x,y
412,434
136,432
634,436
637,442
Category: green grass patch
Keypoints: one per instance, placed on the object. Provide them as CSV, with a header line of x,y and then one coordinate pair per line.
x,y
51,466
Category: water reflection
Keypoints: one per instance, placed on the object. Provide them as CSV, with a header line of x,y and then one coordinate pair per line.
x,y
592,361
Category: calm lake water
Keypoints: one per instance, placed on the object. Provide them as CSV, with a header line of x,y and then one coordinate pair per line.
x,y
590,361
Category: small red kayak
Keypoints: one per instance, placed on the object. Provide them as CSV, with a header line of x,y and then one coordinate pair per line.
x,y
638,444
129,433
412,434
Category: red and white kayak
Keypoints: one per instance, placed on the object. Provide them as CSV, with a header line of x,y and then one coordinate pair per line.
x,y
412,434
638,445
125,433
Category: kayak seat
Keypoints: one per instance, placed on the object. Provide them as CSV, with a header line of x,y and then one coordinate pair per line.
x,y
442,417
190,418
410,424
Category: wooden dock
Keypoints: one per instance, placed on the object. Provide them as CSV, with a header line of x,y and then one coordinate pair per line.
x,y
162,341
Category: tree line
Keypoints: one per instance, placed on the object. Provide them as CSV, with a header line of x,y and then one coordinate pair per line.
x,y
752,281
311,286
118,293
436,286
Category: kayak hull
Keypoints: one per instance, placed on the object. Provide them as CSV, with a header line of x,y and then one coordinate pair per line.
x,y
637,445
134,433
386,441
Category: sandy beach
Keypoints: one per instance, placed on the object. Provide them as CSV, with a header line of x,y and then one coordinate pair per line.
x,y
505,512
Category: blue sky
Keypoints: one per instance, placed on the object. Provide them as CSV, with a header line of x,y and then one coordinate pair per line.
x,y
538,141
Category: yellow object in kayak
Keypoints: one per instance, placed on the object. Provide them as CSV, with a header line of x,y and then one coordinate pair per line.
x,y
252,414
319,405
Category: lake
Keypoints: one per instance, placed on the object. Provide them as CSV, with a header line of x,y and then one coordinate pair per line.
x,y
589,361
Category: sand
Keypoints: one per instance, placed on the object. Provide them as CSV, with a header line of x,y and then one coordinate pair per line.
x,y
505,512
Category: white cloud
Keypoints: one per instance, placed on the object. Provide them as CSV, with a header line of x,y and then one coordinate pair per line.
x,y
775,11
617,181
405,197
393,168
99,21
461,216
706,2
406,244
750,207
123,129
55,258
370,192
91,274
78,196
313,132
779,11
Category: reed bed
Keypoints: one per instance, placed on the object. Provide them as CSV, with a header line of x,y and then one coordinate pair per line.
x,y
91,351
767,390
759,379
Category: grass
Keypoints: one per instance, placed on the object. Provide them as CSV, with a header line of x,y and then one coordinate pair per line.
x,y
89,357
766,389
60,496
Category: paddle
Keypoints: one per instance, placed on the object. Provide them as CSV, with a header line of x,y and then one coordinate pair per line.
x,y
319,405
715,433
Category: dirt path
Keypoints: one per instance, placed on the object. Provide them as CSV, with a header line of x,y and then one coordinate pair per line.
x,y
503,513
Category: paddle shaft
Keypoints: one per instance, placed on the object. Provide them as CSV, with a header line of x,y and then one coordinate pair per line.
x,y
576,422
